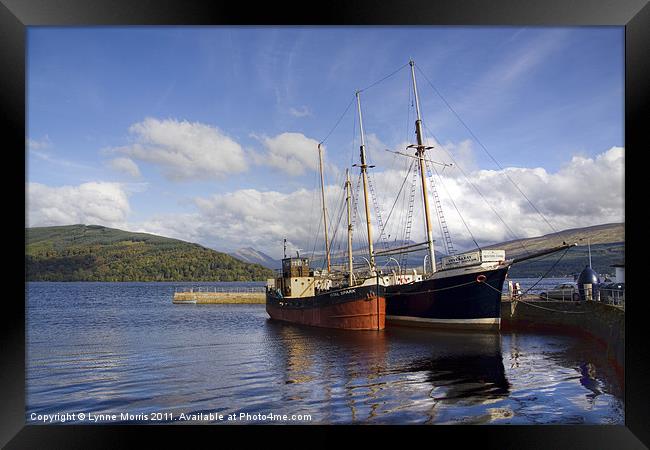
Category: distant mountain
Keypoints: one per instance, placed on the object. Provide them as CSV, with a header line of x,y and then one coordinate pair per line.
x,y
97,253
250,255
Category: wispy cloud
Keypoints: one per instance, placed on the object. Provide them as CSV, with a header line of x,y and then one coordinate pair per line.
x,y
503,78
41,149
524,59
38,144
301,112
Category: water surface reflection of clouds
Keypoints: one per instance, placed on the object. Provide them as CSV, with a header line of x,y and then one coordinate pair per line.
x,y
107,347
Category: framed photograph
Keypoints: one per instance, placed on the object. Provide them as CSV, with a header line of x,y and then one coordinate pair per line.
x,y
405,217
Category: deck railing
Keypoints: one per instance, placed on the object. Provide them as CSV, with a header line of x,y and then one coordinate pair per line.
x,y
615,297
238,290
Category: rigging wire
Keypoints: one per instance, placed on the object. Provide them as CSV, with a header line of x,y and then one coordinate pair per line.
x,y
371,177
548,271
338,121
476,189
448,245
398,196
462,219
383,79
486,151
313,251
311,213
339,213
353,99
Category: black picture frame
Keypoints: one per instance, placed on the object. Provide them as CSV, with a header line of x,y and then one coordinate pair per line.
x,y
16,15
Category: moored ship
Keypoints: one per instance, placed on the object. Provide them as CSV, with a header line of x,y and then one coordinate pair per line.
x,y
466,291
464,294
326,298
300,297
462,291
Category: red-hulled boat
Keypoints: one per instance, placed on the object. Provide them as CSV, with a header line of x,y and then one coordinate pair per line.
x,y
327,299
299,299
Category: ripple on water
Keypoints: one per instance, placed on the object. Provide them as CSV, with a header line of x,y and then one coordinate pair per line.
x,y
123,347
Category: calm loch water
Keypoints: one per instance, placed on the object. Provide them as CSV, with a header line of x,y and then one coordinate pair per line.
x,y
111,349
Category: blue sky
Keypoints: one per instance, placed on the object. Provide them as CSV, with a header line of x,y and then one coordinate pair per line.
x,y
164,129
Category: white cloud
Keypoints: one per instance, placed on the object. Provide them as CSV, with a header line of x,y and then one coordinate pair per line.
x,y
263,219
293,153
455,155
186,227
185,150
376,153
451,154
300,112
95,203
249,217
125,165
586,191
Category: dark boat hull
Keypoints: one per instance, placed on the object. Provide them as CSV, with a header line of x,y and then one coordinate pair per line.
x,y
456,301
356,308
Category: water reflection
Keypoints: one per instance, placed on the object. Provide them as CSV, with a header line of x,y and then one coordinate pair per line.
x,y
115,347
334,369
384,374
469,365
561,379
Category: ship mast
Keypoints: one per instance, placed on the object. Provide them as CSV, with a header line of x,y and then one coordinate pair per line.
x,y
364,177
347,198
420,155
322,190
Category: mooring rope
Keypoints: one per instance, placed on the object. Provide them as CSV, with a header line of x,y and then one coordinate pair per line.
x,y
549,309
537,306
548,271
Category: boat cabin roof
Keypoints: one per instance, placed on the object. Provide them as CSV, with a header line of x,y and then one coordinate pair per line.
x,y
295,261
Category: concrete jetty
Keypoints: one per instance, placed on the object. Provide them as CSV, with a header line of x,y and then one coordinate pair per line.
x,y
235,296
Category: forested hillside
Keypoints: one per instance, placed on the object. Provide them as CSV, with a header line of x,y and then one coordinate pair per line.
x,y
96,253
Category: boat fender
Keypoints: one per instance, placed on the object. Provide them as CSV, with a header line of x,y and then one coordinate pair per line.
x,y
481,278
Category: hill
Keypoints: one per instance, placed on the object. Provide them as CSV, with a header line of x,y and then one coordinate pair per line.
x,y
97,253
250,255
607,248
598,234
